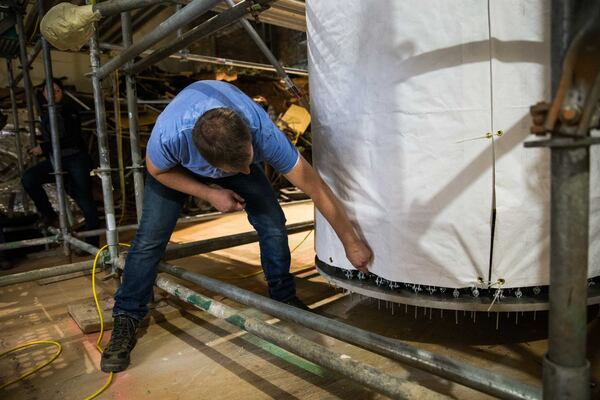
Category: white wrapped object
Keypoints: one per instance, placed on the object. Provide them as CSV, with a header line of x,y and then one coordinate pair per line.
x,y
404,97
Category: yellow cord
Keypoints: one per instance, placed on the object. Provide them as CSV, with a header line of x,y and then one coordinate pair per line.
x,y
36,369
110,375
101,318
302,241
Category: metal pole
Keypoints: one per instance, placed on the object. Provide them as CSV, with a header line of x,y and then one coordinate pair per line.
x,y
119,142
185,16
30,60
394,387
202,246
185,51
217,61
114,7
80,244
26,78
132,112
357,371
566,369
45,273
56,158
175,251
291,86
104,155
209,27
454,370
180,221
15,113
29,242
131,227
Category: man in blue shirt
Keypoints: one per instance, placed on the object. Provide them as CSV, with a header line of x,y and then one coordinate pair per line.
x,y
209,143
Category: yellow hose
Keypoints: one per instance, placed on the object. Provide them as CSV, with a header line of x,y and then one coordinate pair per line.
x,y
36,369
101,335
98,347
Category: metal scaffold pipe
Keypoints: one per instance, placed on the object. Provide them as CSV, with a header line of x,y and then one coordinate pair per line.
x,y
103,152
45,273
357,371
26,78
132,113
566,372
114,7
15,113
217,61
29,242
207,28
199,247
454,370
180,221
56,158
291,86
396,388
36,50
185,16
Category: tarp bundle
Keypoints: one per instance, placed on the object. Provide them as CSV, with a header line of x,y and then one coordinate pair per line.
x,y
68,27
420,111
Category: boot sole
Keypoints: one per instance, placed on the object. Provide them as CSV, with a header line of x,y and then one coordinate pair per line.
x,y
116,365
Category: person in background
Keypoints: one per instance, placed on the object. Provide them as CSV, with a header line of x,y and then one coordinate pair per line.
x,y
76,163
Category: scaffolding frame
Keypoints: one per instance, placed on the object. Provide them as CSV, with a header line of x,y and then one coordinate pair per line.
x,y
442,366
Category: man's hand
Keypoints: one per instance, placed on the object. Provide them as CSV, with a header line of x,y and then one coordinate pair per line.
x,y
35,151
359,254
225,200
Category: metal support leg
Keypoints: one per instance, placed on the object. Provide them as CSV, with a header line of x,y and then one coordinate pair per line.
x,y
36,50
291,86
15,112
105,171
566,370
26,79
18,145
132,112
54,135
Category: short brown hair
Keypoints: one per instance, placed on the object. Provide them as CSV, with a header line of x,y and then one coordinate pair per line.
x,y
222,138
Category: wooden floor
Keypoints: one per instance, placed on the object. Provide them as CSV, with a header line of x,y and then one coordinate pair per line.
x,y
191,355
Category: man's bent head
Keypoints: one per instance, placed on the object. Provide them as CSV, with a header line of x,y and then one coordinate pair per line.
x,y
224,140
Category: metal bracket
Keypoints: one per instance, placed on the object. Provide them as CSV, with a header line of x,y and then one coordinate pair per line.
x,y
100,171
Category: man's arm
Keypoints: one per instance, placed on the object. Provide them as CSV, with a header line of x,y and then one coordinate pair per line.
x,y
176,178
306,178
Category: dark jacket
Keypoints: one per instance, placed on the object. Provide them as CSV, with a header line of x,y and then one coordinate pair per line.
x,y
69,129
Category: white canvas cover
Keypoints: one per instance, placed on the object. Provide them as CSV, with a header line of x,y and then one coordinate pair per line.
x,y
405,95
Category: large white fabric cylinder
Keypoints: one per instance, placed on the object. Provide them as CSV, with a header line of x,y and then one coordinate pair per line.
x,y
408,98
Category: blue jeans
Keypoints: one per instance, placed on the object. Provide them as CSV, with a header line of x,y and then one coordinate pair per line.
x,y
159,216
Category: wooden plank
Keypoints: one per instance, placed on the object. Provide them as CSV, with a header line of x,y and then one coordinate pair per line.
x,y
86,316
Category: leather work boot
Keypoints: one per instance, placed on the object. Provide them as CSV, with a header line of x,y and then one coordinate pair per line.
x,y
115,357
